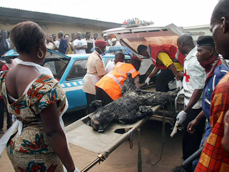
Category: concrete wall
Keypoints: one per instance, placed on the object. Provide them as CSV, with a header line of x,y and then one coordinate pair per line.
x,y
197,31
54,27
52,23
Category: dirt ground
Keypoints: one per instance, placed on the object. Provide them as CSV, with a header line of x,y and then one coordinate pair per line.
x,y
124,159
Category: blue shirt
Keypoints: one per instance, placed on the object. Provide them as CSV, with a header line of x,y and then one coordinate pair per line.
x,y
63,46
211,83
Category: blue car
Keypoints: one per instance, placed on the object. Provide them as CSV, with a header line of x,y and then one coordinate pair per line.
x,y
69,70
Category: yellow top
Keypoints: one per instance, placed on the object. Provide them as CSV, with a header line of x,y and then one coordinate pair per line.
x,y
167,61
70,49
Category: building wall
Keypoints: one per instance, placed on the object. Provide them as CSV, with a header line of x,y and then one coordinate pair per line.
x,y
197,31
53,23
54,27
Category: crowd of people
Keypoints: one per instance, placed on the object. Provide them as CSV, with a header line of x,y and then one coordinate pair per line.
x,y
5,66
78,44
64,43
30,92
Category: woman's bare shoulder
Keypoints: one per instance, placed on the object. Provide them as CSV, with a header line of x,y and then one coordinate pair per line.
x,y
19,78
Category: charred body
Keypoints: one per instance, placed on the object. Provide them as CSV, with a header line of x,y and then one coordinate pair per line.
x,y
133,106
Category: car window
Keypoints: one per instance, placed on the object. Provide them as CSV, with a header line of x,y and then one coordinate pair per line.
x,y
106,62
56,63
57,66
78,70
146,63
127,60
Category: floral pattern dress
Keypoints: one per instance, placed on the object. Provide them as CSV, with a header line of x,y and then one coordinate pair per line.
x,y
29,150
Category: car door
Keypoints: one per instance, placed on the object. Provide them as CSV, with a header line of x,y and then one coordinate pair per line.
x,y
72,82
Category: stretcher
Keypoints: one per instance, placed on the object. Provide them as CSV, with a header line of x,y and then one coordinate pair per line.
x,y
82,135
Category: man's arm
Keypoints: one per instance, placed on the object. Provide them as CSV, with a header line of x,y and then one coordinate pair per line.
x,y
167,61
84,47
137,82
183,114
195,97
191,126
75,46
66,46
80,47
174,70
155,70
55,48
66,52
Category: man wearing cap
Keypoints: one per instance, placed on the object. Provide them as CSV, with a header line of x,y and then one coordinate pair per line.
x,y
214,72
109,88
95,71
214,156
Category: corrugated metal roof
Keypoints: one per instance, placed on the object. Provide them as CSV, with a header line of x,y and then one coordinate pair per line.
x,y
33,15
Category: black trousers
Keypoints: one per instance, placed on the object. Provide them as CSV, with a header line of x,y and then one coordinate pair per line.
x,y
191,142
103,96
90,98
2,109
163,78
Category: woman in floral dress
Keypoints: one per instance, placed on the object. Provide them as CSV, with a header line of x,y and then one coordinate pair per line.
x,y
36,141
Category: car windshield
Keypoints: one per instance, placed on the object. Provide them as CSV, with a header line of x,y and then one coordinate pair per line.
x,y
78,70
56,64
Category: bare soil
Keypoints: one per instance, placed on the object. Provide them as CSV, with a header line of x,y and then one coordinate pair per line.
x,y
124,159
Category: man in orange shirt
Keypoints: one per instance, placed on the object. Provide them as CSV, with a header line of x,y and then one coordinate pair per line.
x,y
109,88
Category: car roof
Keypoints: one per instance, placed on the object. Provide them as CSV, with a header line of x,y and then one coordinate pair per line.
x,y
132,36
14,53
85,56
56,54
10,53
78,56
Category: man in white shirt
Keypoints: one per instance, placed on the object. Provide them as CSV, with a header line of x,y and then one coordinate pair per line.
x,y
56,42
95,71
119,57
193,84
105,36
80,45
49,43
115,43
